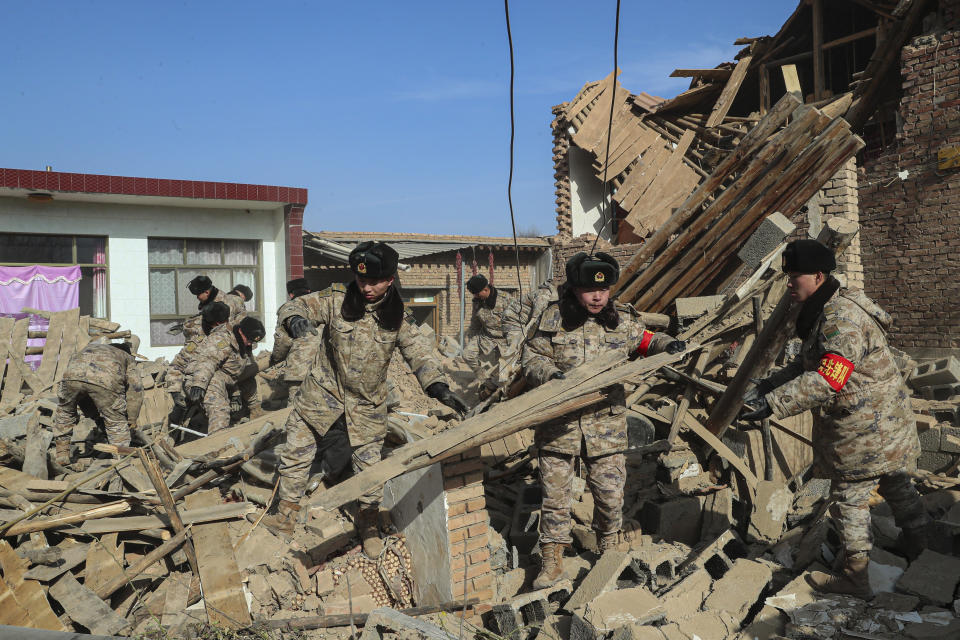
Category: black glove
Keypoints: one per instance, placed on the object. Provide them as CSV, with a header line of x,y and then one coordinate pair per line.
x,y
675,347
177,399
761,411
298,326
195,394
441,391
760,389
558,375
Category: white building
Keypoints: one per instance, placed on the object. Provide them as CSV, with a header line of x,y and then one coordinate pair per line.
x,y
138,241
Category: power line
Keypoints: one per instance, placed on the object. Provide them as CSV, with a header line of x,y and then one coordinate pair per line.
x,y
513,222
605,205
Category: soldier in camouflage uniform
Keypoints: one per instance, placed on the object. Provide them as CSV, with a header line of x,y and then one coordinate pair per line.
x,y
217,366
486,335
107,375
865,437
347,385
583,325
293,358
202,287
213,315
518,319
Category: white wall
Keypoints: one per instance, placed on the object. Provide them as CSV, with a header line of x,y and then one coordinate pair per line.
x,y
586,196
128,225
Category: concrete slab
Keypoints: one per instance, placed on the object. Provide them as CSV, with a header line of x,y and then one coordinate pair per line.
x,y
686,597
717,513
771,504
765,239
624,607
710,625
933,577
602,577
738,590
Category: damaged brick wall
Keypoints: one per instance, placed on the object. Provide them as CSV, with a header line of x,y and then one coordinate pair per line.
x,y
909,208
468,524
565,248
561,173
839,198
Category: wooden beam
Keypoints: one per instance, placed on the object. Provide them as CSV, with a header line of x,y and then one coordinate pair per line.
x,y
819,82
107,589
729,93
169,506
791,80
763,78
103,511
706,74
227,511
859,35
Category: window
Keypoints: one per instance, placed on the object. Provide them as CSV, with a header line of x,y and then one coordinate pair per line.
x,y
87,252
422,303
174,262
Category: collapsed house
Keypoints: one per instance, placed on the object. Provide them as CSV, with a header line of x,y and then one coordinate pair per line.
x,y
725,520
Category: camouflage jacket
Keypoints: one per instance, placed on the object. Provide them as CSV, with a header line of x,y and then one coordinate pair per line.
x,y
110,368
518,319
848,376
603,427
488,323
281,339
219,351
193,326
350,370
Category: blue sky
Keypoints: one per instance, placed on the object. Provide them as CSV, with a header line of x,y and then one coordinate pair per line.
x,y
393,114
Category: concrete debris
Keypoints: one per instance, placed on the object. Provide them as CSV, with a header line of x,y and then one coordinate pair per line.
x,y
614,609
933,577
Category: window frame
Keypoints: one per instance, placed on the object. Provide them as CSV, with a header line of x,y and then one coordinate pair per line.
x,y
257,267
73,254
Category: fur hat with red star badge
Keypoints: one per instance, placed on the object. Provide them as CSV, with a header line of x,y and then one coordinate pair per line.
x,y
598,270
374,260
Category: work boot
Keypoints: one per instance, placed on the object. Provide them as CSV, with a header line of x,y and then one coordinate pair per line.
x,y
257,411
616,540
368,526
912,541
62,451
551,570
283,522
853,579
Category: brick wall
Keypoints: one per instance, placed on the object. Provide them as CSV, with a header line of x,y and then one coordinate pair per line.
x,y
468,524
294,223
911,225
565,248
561,173
839,197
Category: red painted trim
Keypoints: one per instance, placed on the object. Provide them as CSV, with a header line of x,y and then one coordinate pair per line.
x,y
124,185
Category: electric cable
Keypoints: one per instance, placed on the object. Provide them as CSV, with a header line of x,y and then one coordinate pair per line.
x,y
605,205
513,222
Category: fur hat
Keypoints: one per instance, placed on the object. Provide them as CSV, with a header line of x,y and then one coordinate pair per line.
x,y
200,284
252,328
298,285
215,313
374,260
245,290
476,284
600,270
808,256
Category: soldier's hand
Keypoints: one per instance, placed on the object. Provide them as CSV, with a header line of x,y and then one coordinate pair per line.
x,y
298,326
195,394
558,375
675,347
761,410
441,391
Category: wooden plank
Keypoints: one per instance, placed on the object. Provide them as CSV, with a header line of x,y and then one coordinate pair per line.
x,y
819,82
105,562
17,346
68,518
35,451
729,93
791,80
84,607
178,591
12,612
6,331
588,95
227,511
643,140
735,461
645,212
754,140
74,553
642,174
83,333
706,74
221,439
51,349
219,574
28,593
592,135
68,345
169,506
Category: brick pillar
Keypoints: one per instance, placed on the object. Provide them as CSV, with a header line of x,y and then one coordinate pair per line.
x,y
293,219
839,197
468,523
561,174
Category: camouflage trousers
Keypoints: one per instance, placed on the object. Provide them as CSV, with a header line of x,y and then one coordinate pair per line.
x,y
481,353
111,406
216,402
851,509
606,476
302,446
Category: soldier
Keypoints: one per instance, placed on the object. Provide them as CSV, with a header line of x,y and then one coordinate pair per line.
x,y
217,366
282,342
245,294
519,316
581,326
347,385
488,341
107,376
202,287
213,315
865,437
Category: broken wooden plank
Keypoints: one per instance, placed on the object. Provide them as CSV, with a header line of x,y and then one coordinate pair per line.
x,y
169,506
6,331
68,344
723,450
706,74
791,80
729,93
73,554
12,612
84,607
106,590
51,348
28,593
35,451
220,440
219,574
227,511
178,592
103,511
104,562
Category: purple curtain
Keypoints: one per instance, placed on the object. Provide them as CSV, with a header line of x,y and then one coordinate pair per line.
x,y
44,288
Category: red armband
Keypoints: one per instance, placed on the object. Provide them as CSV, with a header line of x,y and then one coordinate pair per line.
x,y
835,370
644,343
